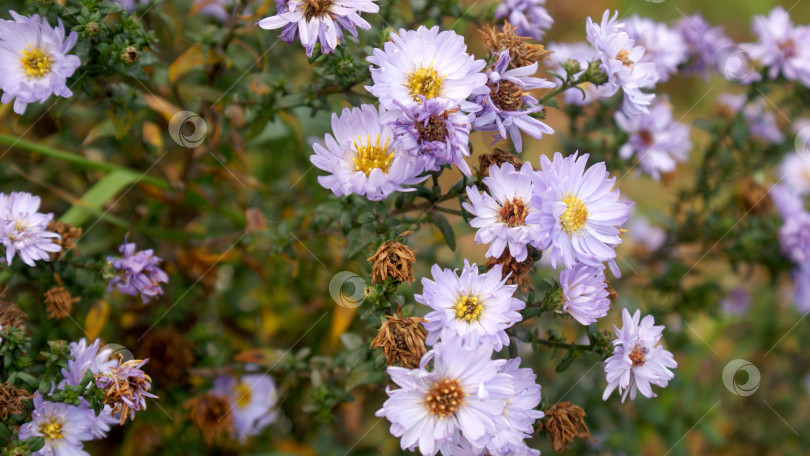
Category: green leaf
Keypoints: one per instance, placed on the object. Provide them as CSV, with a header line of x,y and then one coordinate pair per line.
x,y
102,192
444,226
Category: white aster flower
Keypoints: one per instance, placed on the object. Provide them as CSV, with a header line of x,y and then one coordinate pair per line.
x,y
585,295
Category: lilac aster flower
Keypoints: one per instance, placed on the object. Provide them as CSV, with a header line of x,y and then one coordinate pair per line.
x,y
736,302
794,171
622,62
33,60
664,46
703,41
794,234
216,9
656,140
87,357
760,120
516,423
585,295
363,156
584,54
23,230
529,16
473,308
423,64
137,273
506,107
253,402
436,131
130,5
462,398
782,47
642,232
319,21
64,427
580,210
501,212
801,277
638,362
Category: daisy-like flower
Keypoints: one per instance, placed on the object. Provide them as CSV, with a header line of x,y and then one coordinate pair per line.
x,y
500,213
703,41
580,210
795,172
794,234
319,21
127,387
584,54
461,399
253,402
506,107
638,361
34,63
422,64
516,423
664,46
217,9
760,120
23,230
622,62
644,233
585,294
64,427
474,308
781,47
363,156
656,140
137,272
435,131
529,16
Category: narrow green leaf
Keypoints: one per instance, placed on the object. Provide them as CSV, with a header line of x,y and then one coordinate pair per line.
x,y
99,194
444,226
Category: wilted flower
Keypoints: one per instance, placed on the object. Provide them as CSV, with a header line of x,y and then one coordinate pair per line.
x,y
363,156
656,140
529,16
137,273
638,362
392,259
171,354
473,308
211,414
622,62
664,47
781,47
59,302
127,388
501,212
565,422
521,53
318,21
23,230
463,397
64,427
583,53
252,402
68,235
513,271
506,107
402,340
703,41
35,61
422,64
11,400
10,315
585,294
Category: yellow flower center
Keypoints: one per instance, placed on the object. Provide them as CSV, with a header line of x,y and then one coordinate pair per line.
x,y
36,63
624,57
445,397
51,430
372,155
425,82
575,215
468,308
243,395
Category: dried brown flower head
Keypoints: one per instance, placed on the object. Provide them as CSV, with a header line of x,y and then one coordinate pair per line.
x,y
520,52
402,340
69,235
392,259
211,414
59,302
11,400
10,315
612,295
752,196
520,269
126,387
497,157
171,354
565,422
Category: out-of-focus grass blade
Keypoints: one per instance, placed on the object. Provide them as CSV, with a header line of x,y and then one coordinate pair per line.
x,y
105,190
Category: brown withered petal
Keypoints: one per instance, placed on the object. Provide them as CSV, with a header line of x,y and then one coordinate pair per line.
x,y
402,341
211,414
11,400
520,52
59,302
392,259
497,157
612,295
565,422
520,269
69,235
10,315
753,196
171,354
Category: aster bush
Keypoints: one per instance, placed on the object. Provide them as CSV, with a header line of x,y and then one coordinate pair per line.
x,y
368,227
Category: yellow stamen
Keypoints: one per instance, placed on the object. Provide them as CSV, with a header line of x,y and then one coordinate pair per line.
x,y
243,395
36,63
425,82
468,308
372,155
51,430
624,57
575,215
